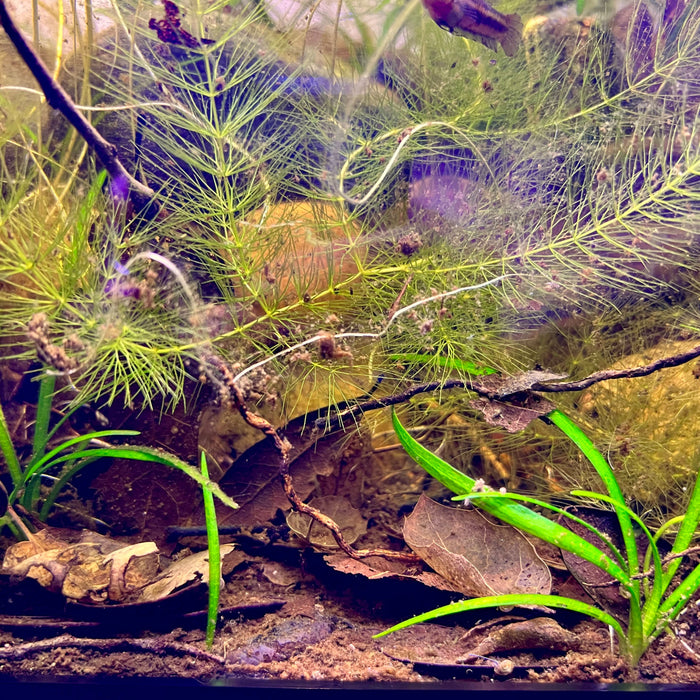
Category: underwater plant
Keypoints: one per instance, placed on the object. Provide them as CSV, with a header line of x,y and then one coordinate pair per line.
x,y
654,598
300,196
60,463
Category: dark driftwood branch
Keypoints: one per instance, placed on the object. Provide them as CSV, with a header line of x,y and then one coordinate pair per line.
x,y
143,197
606,374
488,392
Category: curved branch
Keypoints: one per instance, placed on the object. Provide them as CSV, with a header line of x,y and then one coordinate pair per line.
x,y
492,392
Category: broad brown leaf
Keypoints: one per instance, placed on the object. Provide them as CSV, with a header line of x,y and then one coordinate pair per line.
x,y
476,555
379,567
505,387
348,519
515,415
253,480
597,583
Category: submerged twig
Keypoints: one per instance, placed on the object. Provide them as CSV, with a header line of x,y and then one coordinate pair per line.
x,y
143,197
284,448
487,391
606,374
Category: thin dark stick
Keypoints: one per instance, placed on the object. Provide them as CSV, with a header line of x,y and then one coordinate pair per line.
x,y
143,197
489,393
222,376
606,374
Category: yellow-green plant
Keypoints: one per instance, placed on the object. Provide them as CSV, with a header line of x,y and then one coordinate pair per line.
x,y
577,173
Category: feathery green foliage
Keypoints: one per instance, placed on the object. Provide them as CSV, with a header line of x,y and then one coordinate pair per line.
x,y
285,181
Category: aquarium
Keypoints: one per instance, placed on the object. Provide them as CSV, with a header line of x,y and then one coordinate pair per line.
x,y
323,318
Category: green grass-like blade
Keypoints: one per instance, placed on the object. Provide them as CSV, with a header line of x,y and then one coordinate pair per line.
x,y
514,514
8,452
46,460
448,362
600,464
686,531
150,454
60,483
214,555
547,506
519,599
43,415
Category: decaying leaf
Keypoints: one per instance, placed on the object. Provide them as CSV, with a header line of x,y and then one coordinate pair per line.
x,y
83,566
348,519
515,415
536,633
132,568
89,568
183,572
475,554
378,567
505,387
599,585
439,651
253,480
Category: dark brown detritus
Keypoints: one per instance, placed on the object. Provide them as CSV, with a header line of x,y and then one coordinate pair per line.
x,y
48,352
170,31
409,244
328,349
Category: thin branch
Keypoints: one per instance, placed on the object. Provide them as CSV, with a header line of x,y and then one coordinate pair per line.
x,y
143,197
606,374
488,391
225,377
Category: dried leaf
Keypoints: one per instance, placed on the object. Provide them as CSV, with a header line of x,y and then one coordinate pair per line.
x,y
515,415
132,568
83,566
505,387
378,567
348,519
183,572
476,555
438,650
536,633
598,585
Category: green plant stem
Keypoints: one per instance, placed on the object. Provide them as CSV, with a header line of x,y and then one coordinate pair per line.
x,y
8,452
47,386
46,461
600,464
636,632
60,483
214,555
150,454
686,531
